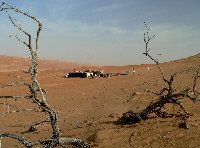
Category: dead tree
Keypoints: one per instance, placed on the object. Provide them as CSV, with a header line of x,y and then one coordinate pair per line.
x,y
166,95
36,93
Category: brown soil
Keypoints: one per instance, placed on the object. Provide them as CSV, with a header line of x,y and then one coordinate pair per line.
x,y
89,108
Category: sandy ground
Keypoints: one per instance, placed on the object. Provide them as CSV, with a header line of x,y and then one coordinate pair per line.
x,y
89,108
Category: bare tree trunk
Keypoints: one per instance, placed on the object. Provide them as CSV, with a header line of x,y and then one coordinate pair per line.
x,y
166,95
36,93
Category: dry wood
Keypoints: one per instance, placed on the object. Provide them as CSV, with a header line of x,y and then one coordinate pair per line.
x,y
36,93
165,96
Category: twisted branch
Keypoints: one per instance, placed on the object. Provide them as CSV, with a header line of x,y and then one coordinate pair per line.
x,y
172,96
37,93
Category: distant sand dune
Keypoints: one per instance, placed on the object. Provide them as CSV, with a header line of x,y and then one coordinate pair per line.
x,y
11,63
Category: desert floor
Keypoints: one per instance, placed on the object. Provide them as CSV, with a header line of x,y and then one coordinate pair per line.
x,y
89,107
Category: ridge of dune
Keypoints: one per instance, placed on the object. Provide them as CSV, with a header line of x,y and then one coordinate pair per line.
x,y
13,63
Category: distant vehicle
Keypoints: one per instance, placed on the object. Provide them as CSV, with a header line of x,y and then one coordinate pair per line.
x,y
85,74
76,75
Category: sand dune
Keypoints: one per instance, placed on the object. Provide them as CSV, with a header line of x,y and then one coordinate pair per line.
x,y
11,63
89,108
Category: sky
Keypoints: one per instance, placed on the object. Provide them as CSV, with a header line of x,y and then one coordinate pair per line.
x,y
106,32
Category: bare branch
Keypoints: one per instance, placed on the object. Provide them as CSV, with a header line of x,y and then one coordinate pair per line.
x,y
22,110
73,141
36,125
170,97
37,93
19,28
15,97
197,75
21,40
22,140
8,105
160,93
147,39
1,6
14,84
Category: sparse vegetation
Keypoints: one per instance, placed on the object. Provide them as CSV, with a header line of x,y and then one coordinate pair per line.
x,y
90,108
36,94
167,95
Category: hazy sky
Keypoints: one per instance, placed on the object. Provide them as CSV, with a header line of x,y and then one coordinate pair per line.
x,y
107,32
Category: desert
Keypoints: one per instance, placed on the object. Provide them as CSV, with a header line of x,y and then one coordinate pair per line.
x,y
135,82
90,107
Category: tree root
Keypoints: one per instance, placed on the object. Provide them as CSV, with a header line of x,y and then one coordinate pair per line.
x,y
49,143
132,117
